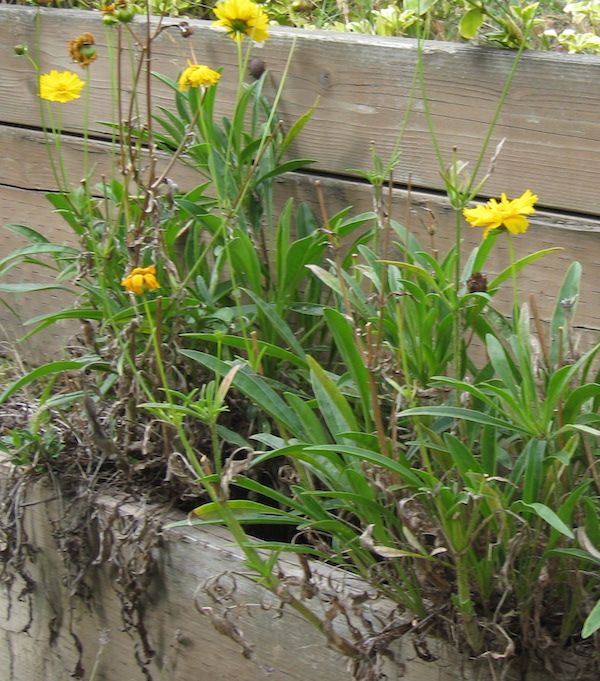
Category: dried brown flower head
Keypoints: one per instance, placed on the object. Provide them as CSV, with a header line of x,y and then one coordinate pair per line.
x,y
477,283
83,50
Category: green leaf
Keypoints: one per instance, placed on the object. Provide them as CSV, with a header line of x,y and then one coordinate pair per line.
x,y
577,398
38,249
549,516
296,128
502,364
242,344
333,405
470,23
28,233
373,457
254,387
592,622
48,370
346,342
277,323
519,265
460,413
245,511
286,167
569,291
419,7
464,460
28,288
310,421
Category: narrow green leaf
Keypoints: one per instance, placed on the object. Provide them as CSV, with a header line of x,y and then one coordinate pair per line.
x,y
242,344
502,364
373,457
346,342
244,510
569,291
592,622
460,413
48,370
332,403
28,288
549,516
277,323
297,127
577,398
286,167
28,233
519,265
463,459
38,249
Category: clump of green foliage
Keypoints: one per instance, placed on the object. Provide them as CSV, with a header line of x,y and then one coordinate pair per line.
x,y
572,27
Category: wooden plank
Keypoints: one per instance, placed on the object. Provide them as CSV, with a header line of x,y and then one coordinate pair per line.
x,y
549,121
577,236
186,566
188,647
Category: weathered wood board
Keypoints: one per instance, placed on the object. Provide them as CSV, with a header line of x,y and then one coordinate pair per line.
x,y
188,646
363,84
193,570
576,235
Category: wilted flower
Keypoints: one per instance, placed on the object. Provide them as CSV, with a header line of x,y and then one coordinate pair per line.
x,y
82,49
503,213
197,75
140,279
60,87
242,18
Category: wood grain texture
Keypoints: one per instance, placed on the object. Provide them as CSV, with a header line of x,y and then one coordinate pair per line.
x,y
187,646
577,237
549,120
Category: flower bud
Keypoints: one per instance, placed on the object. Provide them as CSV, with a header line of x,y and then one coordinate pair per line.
x,y
21,50
124,14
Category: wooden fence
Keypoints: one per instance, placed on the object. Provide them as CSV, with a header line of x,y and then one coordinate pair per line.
x,y
363,84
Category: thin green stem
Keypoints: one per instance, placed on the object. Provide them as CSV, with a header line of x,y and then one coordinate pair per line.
x,y
515,285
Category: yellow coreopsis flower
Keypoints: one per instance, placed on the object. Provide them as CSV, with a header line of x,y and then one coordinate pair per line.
x,y
197,75
60,87
242,18
504,213
140,279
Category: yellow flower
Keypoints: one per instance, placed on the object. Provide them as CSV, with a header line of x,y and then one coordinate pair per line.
x,y
82,49
60,87
140,279
242,18
503,213
197,75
